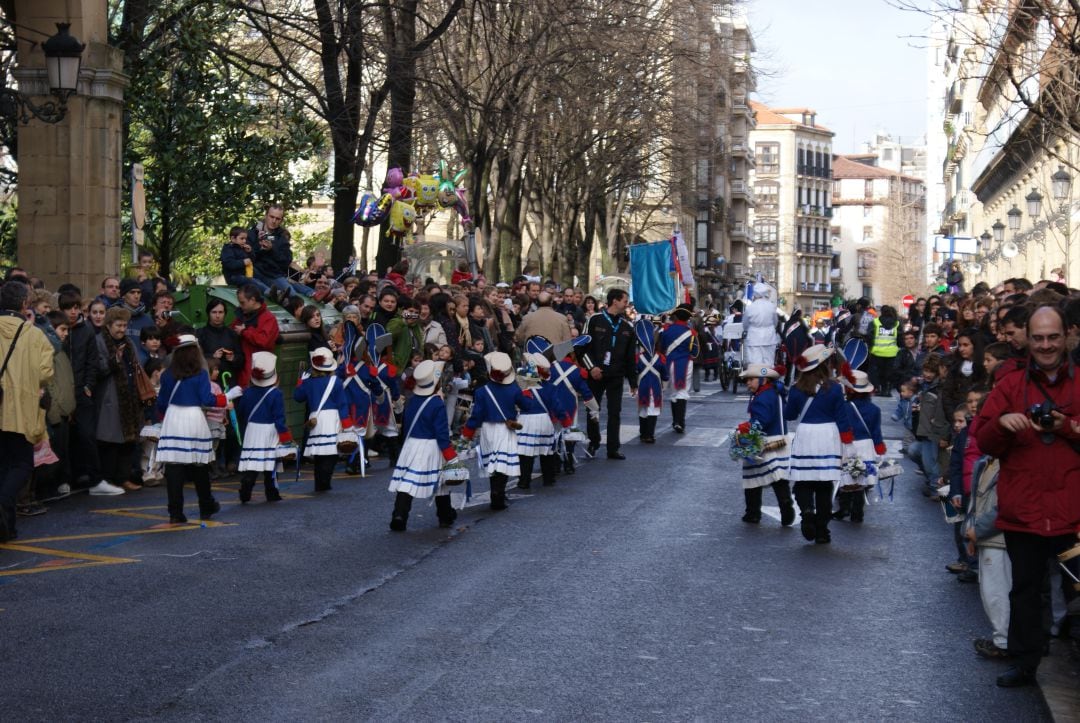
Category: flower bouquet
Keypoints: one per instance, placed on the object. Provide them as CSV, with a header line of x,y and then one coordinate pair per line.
x,y
464,448
854,472
746,441
573,434
455,472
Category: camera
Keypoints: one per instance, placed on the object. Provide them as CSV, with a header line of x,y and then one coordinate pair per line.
x,y
1042,414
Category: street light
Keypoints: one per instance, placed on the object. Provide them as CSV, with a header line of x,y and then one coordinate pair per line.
x,y
1060,184
999,231
1014,215
986,238
63,57
1034,203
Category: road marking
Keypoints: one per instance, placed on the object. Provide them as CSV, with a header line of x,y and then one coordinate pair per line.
x,y
702,437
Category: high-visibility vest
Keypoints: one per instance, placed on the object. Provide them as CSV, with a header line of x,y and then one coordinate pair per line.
x,y
885,340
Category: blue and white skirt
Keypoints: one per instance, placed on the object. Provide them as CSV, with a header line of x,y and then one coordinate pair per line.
x,y
770,467
322,440
498,449
536,436
815,453
185,437
260,451
417,470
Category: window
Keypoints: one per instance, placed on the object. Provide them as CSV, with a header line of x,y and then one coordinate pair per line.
x,y
767,157
767,196
768,268
886,154
867,233
867,211
802,161
766,233
868,188
866,262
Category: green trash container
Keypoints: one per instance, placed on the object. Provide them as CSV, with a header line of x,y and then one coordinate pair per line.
x,y
292,343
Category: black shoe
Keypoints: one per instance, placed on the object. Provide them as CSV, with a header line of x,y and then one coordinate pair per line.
x,y
808,527
448,521
274,496
178,519
968,576
787,514
616,455
679,429
205,513
550,482
752,517
498,504
524,484
568,469
823,538
591,449
648,440
352,469
1016,678
857,517
985,648
245,492
398,524
839,514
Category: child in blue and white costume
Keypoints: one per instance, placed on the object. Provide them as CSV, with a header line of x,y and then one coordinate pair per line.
x,y
494,414
386,401
651,375
822,440
328,414
568,379
427,448
185,446
770,468
540,418
868,446
261,411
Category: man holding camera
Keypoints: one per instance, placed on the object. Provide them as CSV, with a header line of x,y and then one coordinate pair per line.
x,y
256,325
1031,423
269,242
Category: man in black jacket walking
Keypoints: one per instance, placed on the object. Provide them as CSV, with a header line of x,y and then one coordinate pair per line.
x,y
609,361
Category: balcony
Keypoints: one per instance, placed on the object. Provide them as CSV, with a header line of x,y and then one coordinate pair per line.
x,y
739,147
739,231
865,273
813,211
957,207
814,288
814,250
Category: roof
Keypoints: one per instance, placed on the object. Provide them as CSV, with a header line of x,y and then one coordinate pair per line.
x,y
844,166
770,116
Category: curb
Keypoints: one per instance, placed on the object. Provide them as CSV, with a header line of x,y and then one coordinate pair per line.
x,y
1059,682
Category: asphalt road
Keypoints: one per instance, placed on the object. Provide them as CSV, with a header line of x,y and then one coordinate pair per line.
x,y
630,591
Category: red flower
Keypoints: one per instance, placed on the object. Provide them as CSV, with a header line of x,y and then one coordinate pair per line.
x,y
319,360
744,428
497,375
259,374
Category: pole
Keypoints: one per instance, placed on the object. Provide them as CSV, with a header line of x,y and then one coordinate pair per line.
x,y
470,253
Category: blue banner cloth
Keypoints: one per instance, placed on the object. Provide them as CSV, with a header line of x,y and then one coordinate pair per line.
x,y
652,289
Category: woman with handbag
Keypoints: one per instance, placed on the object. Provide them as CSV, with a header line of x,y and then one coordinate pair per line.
x,y
119,407
185,445
770,468
822,436
426,450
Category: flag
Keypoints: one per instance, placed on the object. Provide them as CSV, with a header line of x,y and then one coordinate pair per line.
x,y
652,287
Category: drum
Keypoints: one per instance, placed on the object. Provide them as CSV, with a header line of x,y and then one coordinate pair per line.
x,y
286,452
347,441
573,434
151,432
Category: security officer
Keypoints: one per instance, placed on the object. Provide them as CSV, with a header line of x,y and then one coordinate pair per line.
x,y
885,332
609,361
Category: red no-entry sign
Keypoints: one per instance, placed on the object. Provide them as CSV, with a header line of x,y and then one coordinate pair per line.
x,y
907,301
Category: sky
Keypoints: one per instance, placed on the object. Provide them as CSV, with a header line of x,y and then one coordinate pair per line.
x,y
861,64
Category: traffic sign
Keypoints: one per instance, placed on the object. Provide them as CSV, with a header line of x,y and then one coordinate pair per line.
x,y
952,245
907,301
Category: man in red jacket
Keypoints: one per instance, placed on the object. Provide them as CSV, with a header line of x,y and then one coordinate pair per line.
x,y
1031,422
257,327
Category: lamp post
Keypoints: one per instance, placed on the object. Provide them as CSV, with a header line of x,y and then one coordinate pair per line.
x,y
1061,189
1014,215
1034,203
63,57
999,231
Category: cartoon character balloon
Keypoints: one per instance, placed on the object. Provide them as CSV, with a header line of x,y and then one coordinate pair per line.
x,y
448,183
372,210
393,184
423,190
402,216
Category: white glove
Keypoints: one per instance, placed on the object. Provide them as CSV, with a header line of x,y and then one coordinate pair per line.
x,y
592,406
594,415
460,384
234,393
399,405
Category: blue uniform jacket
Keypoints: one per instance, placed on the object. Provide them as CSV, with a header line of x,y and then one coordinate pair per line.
x,y
270,410
766,409
871,414
311,392
385,384
826,407
678,343
545,398
431,424
358,392
652,374
570,384
193,391
508,399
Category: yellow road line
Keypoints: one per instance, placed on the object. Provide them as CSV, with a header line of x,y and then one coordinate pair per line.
x,y
123,533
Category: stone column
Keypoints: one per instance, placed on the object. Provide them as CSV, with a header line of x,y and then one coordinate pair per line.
x,y
70,172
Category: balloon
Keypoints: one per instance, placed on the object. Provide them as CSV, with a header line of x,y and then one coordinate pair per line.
x,y
423,190
462,208
402,216
447,196
373,209
392,185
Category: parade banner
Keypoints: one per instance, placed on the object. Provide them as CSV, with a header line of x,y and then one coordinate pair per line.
x,y
652,289
682,256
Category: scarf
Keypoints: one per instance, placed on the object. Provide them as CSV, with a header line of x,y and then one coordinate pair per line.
x,y
123,374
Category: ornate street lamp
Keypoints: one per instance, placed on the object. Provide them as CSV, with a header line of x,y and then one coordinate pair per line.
x,y
999,231
63,57
1034,203
986,238
1060,184
1014,215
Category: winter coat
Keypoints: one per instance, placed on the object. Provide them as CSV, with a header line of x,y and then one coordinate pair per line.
x,y
232,260
112,418
28,370
260,334
1039,484
545,322
83,352
212,338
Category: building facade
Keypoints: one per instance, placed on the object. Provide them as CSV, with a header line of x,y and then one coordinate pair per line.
x,y
878,228
792,183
